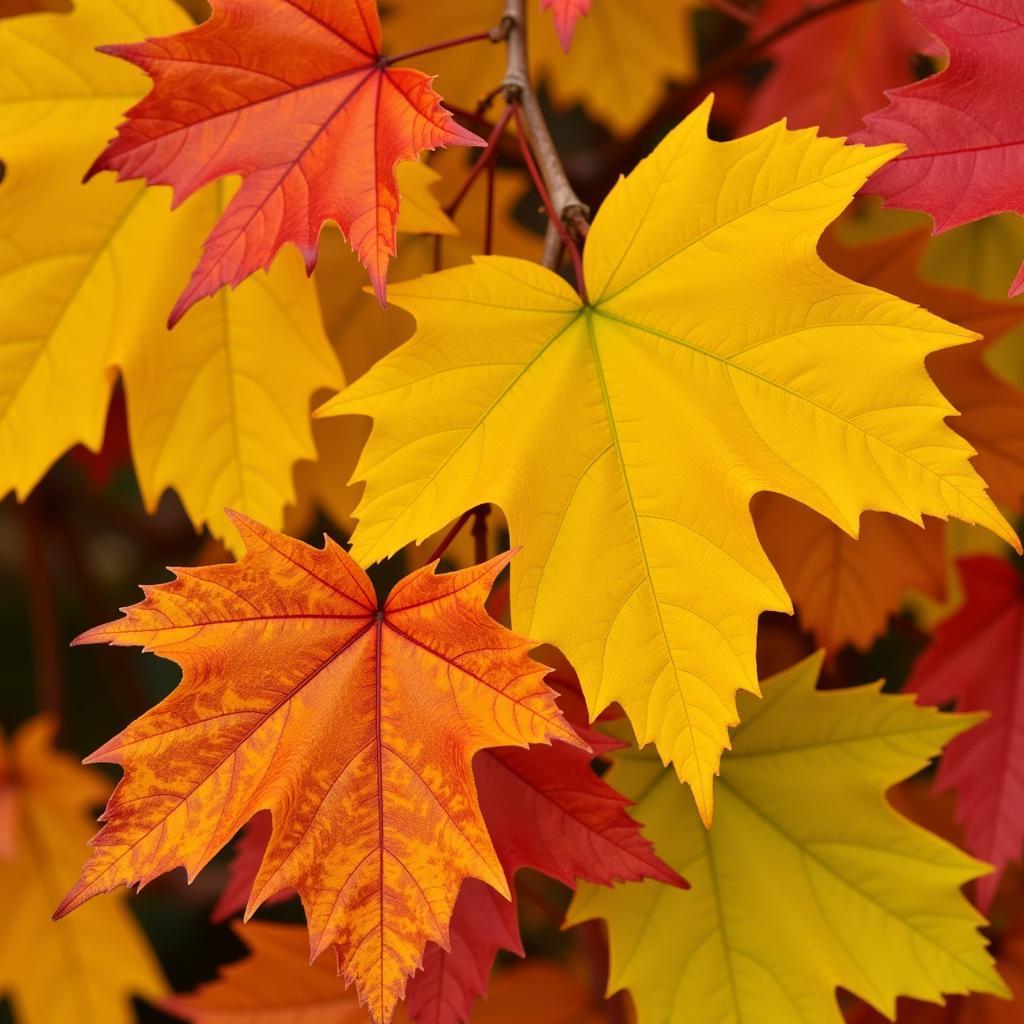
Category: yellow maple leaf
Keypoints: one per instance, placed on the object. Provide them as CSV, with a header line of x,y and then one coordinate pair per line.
x,y
808,880
624,437
215,409
623,53
72,972
362,332
975,256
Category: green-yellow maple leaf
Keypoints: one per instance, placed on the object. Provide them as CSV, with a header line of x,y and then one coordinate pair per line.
x,y
808,880
219,408
624,438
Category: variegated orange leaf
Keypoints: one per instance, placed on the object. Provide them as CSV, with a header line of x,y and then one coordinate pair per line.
x,y
353,723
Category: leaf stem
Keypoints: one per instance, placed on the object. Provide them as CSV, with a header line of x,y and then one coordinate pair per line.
x,y
446,543
554,219
446,44
489,212
486,158
480,516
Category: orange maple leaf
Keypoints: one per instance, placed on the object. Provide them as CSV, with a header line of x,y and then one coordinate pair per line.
x,y
296,98
354,726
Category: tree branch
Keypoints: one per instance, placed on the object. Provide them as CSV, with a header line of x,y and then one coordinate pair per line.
x,y
569,207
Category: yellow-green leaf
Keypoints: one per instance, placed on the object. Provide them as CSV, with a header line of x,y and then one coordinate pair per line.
x,y
219,408
808,879
624,438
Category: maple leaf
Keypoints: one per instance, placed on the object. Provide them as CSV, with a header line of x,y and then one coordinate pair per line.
x,y
249,849
566,13
845,587
274,984
834,69
699,374
965,157
362,332
975,660
622,55
809,879
353,726
74,972
974,1009
545,809
542,993
219,415
297,99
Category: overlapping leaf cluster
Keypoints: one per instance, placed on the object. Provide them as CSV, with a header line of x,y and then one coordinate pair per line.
x,y
747,390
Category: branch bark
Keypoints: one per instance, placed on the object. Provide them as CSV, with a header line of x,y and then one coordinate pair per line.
x,y
572,210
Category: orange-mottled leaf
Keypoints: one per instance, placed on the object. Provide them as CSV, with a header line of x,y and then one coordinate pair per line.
x,y
296,98
354,724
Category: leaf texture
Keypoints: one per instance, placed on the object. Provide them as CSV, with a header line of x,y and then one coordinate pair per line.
x,y
83,971
809,880
354,727
976,660
962,127
630,433
294,98
218,415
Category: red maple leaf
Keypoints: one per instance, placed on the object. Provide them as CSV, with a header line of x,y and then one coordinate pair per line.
x,y
977,660
294,96
566,13
548,811
962,127
831,71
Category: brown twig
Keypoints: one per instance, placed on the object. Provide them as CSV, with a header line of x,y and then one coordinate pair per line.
x,y
553,247
568,206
